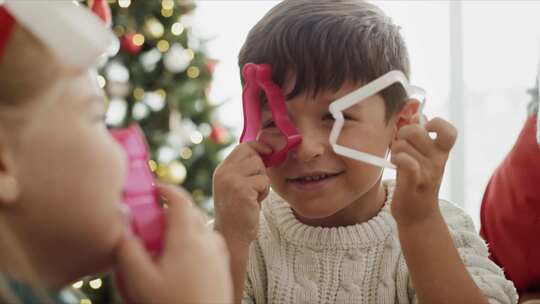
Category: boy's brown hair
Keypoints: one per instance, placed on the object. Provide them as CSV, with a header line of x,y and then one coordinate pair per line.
x,y
327,43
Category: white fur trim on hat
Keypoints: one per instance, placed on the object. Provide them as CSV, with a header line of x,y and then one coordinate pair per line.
x,y
70,31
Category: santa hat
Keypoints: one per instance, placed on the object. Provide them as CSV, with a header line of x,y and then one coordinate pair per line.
x,y
72,33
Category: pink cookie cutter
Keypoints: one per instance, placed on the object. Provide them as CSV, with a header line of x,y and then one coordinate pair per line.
x,y
140,194
257,78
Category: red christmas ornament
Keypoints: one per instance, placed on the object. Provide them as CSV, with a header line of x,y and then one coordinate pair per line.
x,y
219,134
211,65
102,10
128,45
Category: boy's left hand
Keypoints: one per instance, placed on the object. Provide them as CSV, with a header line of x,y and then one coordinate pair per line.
x,y
420,162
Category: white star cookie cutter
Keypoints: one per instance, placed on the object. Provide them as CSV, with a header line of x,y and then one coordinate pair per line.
x,y
338,106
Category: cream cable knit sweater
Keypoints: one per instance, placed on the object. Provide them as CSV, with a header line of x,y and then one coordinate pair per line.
x,y
294,263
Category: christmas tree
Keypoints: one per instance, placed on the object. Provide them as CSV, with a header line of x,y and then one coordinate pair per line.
x,y
160,79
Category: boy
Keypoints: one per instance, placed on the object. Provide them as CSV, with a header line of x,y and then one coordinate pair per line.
x,y
331,231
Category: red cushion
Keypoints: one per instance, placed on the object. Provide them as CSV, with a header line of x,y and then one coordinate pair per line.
x,y
510,212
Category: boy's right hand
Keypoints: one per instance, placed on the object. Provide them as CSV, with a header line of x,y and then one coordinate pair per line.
x,y
240,184
192,268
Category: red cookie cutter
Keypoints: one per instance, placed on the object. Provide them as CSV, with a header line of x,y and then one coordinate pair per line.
x,y
258,77
140,194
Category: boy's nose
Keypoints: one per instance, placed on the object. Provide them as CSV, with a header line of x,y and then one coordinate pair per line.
x,y
311,147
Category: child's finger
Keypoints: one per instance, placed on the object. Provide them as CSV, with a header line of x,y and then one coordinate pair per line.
x,y
174,195
239,152
182,217
261,183
248,149
408,169
253,166
418,137
260,147
135,267
446,133
403,146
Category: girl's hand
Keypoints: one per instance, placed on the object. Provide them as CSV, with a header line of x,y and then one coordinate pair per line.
x,y
194,264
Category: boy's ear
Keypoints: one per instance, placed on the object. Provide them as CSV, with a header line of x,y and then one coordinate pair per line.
x,y
406,115
9,185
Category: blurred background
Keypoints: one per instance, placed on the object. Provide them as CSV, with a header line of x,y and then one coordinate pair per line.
x,y
176,75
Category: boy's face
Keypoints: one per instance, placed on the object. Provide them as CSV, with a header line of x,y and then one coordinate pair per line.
x,y
315,181
71,174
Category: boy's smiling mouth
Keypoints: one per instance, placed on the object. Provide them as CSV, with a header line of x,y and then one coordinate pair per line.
x,y
313,179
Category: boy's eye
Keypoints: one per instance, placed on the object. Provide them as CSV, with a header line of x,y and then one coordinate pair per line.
x,y
328,116
268,124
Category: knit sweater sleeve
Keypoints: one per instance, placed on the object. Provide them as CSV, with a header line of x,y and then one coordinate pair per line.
x,y
474,253
248,296
255,285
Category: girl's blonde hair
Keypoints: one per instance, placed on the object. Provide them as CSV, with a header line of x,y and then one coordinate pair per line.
x,y
27,69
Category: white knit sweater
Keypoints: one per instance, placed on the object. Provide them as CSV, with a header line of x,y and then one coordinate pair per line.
x,y
291,262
